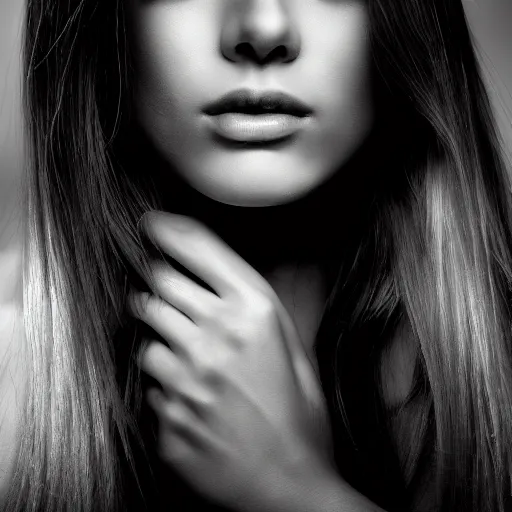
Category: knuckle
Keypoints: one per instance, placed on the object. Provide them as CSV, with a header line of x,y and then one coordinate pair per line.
x,y
232,328
207,310
138,302
239,324
210,370
176,413
200,401
205,367
154,307
163,275
216,382
260,306
149,358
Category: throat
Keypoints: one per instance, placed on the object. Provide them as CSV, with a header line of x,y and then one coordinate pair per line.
x,y
303,292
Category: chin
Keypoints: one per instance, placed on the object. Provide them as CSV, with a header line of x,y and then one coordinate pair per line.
x,y
251,201
260,184
250,198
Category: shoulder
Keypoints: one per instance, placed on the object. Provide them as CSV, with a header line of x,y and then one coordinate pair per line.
x,y
12,385
397,365
13,371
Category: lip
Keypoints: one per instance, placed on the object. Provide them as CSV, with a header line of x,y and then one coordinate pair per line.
x,y
241,127
258,102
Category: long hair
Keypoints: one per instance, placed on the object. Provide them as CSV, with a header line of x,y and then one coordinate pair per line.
x,y
437,254
435,251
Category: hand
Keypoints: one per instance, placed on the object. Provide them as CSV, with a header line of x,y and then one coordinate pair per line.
x,y
242,411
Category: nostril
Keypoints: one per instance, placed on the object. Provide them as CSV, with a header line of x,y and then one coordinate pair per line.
x,y
246,50
249,51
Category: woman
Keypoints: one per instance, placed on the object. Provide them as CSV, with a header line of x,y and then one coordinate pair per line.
x,y
380,210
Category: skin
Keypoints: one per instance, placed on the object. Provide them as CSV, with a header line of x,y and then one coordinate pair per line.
x,y
189,53
192,52
241,412
239,203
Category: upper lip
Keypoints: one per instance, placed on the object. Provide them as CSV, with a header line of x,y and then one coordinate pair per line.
x,y
257,102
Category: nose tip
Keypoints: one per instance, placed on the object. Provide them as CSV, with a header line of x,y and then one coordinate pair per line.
x,y
261,32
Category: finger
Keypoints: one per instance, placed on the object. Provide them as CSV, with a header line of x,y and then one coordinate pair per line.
x,y
204,253
161,364
181,334
184,294
175,421
178,383
179,429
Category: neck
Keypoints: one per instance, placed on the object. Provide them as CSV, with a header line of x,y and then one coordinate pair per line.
x,y
293,246
309,232
297,247
267,237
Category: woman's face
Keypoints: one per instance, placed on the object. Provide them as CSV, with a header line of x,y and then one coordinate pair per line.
x,y
192,52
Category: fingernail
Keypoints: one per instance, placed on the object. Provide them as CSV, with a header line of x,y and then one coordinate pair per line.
x,y
179,223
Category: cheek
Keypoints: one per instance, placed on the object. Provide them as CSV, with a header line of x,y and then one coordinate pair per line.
x,y
167,87
344,76
170,59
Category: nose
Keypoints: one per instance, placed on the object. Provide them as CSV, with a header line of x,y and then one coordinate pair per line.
x,y
260,31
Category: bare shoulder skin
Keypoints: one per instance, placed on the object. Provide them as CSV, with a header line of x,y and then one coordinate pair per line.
x,y
11,390
12,369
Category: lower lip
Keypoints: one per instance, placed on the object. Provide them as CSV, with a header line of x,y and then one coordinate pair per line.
x,y
256,128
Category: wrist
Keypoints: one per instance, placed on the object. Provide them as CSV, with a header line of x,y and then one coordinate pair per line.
x,y
321,490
